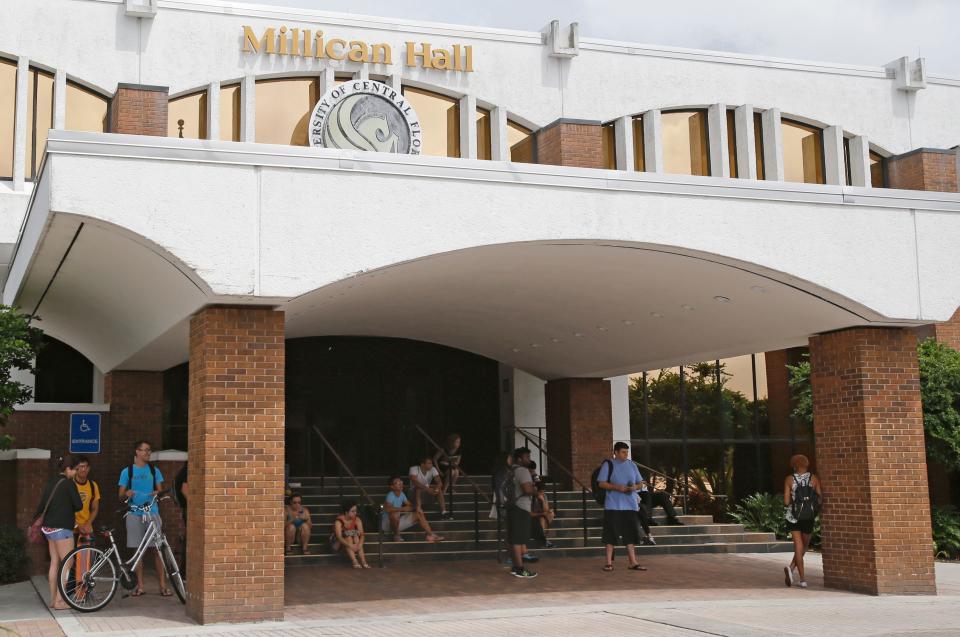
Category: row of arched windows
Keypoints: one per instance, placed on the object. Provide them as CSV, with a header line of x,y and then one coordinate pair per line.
x,y
85,111
685,140
283,108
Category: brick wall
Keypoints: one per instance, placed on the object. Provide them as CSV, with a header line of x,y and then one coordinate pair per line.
x,y
579,424
236,443
20,477
570,143
923,169
872,464
139,110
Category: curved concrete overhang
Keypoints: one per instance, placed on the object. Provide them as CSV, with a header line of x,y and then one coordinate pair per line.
x,y
172,225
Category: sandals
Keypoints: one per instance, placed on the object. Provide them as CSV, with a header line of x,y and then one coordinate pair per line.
x,y
608,568
636,567
166,592
138,593
365,565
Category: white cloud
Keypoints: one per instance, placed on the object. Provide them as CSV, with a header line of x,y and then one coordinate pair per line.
x,y
868,32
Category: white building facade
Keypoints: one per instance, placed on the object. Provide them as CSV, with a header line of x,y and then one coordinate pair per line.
x,y
575,210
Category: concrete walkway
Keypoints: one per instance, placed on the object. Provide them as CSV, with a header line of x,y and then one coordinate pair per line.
x,y
24,612
688,596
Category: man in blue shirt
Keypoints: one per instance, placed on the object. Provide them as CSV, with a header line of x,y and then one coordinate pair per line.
x,y
138,489
620,478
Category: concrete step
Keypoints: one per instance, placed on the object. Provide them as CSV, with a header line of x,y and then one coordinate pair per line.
x,y
418,544
443,554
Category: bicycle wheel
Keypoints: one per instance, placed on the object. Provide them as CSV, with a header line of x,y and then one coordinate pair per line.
x,y
173,572
87,579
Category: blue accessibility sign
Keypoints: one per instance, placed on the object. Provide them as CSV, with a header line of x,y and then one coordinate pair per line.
x,y
84,433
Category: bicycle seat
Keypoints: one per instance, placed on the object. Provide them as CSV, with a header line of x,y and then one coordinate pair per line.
x,y
105,529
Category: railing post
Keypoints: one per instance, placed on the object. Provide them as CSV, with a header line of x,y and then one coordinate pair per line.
x,y
340,481
496,497
583,501
323,468
380,535
450,509
476,518
554,480
540,447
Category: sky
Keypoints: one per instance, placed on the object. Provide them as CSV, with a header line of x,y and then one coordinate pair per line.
x,y
865,32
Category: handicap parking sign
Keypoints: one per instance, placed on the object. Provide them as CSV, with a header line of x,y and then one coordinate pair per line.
x,y
84,433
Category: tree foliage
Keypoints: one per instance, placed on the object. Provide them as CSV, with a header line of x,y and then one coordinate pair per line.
x,y
19,342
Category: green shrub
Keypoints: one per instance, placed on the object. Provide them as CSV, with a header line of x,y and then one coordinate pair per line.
x,y
762,512
13,554
946,532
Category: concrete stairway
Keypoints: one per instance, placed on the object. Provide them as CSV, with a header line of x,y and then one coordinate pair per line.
x,y
470,536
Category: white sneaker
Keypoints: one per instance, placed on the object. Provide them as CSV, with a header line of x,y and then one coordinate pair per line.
x,y
803,584
788,578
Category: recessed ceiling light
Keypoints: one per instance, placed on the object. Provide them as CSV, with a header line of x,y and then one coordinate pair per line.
x,y
628,322
688,308
578,334
535,345
555,340
656,314
515,349
758,289
601,328
722,299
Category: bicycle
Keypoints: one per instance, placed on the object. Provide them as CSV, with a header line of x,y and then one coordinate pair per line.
x,y
88,577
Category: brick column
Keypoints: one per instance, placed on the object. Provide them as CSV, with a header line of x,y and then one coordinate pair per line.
x,y
571,142
870,453
24,473
236,450
923,169
137,109
579,425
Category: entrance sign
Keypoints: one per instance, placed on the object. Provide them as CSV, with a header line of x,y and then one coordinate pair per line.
x,y
84,433
365,115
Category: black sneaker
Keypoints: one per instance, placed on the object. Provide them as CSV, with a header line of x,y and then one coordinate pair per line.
x,y
648,541
549,545
522,572
446,515
674,522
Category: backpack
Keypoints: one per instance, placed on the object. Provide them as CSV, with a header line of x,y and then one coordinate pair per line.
x,y
599,494
805,502
153,472
509,487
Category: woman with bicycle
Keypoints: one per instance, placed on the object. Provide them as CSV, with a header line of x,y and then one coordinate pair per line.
x,y
58,506
348,535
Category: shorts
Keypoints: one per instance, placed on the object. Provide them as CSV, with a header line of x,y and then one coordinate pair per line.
x,y
137,528
620,525
518,525
406,521
56,534
804,526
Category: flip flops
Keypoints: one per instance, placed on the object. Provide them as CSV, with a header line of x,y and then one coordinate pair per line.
x,y
608,568
636,567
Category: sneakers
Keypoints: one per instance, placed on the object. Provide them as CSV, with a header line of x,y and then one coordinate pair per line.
x,y
802,584
530,558
522,572
397,538
674,522
787,576
446,515
549,545
648,541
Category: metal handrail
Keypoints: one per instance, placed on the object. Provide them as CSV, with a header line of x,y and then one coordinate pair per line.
x,y
668,478
469,478
584,490
363,492
476,489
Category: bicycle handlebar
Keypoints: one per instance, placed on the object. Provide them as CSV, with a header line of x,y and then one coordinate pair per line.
x,y
144,508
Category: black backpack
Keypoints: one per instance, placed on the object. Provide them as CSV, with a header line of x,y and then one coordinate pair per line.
x,y
153,472
600,494
805,502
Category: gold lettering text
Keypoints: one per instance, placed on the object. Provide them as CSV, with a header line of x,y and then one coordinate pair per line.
x,y
469,49
318,50
251,44
331,50
424,55
441,60
282,41
381,53
307,43
358,51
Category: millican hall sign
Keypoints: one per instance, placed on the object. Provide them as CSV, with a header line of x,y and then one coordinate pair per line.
x,y
307,44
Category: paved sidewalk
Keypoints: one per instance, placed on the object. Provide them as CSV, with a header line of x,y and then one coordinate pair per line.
x,y
680,596
24,613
